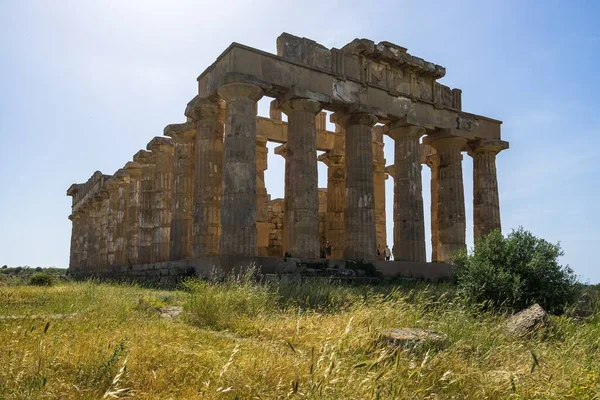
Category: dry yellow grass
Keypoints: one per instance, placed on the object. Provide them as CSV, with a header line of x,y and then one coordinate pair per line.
x,y
237,340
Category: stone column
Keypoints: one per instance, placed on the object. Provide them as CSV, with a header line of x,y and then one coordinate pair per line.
x,y
379,177
208,178
122,219
146,224
92,227
262,198
282,151
238,205
433,162
450,193
486,203
336,187
303,194
113,209
409,224
359,217
181,237
75,233
134,172
101,200
163,150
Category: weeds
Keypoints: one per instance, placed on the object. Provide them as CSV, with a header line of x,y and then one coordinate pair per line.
x,y
246,339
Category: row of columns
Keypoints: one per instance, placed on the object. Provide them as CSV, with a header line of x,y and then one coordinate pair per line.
x,y
202,193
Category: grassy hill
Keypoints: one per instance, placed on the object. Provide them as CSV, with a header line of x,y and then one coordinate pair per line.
x,y
239,339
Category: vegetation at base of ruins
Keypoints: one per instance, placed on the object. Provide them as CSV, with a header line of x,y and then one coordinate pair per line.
x,y
41,279
22,275
514,272
364,267
87,340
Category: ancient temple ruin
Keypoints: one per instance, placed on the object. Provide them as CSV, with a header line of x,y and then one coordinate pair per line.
x,y
196,197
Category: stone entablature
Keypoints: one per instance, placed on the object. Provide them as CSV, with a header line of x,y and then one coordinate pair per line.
x,y
201,193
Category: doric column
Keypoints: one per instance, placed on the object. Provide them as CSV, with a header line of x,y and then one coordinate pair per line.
x,y
434,163
208,177
486,204
101,202
134,172
146,225
359,217
122,218
92,228
303,194
262,198
409,224
379,177
163,150
238,205
113,210
282,151
450,193
184,141
74,254
336,187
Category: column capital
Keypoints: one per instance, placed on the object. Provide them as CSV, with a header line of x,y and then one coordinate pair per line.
x,y
399,128
133,169
160,144
261,140
354,118
281,150
301,104
432,159
233,91
328,158
143,157
486,146
391,170
184,132
444,139
201,107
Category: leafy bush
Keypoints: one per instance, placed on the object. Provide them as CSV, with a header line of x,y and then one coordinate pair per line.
x,y
515,272
41,279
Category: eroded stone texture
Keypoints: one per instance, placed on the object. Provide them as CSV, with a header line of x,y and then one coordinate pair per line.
x,y
163,151
433,162
379,177
262,198
409,224
75,234
184,169
336,188
134,172
359,218
102,228
302,192
238,205
113,208
486,203
148,179
117,219
276,215
208,185
122,219
450,194
322,221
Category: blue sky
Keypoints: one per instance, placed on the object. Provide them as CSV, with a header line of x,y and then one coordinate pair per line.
x,y
86,84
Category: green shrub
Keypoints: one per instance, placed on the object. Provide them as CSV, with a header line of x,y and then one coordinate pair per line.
x,y
515,272
41,279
